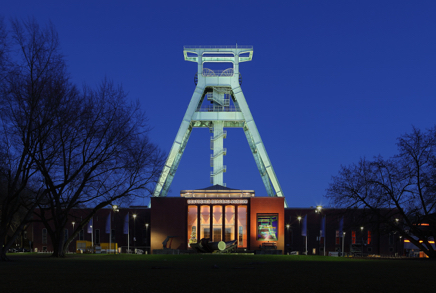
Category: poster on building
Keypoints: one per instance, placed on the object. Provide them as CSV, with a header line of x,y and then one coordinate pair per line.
x,y
267,227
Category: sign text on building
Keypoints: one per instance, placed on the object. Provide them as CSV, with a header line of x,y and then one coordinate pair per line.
x,y
217,201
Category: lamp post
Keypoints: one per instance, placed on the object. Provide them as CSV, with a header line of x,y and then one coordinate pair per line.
x,y
146,235
73,225
134,233
343,240
322,231
287,235
115,209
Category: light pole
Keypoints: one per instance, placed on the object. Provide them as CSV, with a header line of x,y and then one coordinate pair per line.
x,y
343,240
116,210
134,233
287,236
361,235
73,226
146,235
323,228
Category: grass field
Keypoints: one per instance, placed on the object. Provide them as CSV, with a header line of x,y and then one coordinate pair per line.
x,y
213,273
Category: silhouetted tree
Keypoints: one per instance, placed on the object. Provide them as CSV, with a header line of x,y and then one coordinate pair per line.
x,y
30,63
404,186
99,155
66,148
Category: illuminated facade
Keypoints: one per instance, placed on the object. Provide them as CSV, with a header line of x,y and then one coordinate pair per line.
x,y
220,214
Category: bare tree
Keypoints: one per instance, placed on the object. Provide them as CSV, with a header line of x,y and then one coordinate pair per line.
x,y
31,64
99,155
403,186
65,148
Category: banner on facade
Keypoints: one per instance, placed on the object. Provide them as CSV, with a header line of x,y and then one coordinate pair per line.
x,y
304,228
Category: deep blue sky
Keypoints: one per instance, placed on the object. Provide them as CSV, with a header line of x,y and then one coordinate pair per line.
x,y
330,81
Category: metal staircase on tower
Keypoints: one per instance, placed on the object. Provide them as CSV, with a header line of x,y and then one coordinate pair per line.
x,y
227,109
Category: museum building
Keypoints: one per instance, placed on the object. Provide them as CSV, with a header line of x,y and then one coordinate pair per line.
x,y
220,214
258,224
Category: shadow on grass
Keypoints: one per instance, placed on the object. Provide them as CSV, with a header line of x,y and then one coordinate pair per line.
x,y
213,273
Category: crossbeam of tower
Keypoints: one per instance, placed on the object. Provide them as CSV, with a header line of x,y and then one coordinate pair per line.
x,y
218,87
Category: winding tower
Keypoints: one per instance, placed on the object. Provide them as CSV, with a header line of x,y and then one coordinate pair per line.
x,y
227,109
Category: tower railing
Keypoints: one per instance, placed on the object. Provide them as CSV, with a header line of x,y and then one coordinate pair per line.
x,y
213,73
221,170
216,108
218,135
217,47
223,102
212,157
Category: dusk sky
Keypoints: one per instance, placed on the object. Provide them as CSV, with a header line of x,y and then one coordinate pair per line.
x,y
330,81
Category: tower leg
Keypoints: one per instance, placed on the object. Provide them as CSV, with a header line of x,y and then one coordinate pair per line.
x,y
176,163
259,164
171,163
257,141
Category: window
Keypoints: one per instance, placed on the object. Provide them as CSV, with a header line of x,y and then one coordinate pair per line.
x,y
192,225
353,237
205,222
44,236
338,240
242,226
25,234
97,236
369,237
81,235
267,227
217,223
229,223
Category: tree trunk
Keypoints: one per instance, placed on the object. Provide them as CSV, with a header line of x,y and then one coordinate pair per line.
x,y
58,245
3,256
3,248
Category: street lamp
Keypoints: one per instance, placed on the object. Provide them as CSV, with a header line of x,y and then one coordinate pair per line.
x,y
115,210
146,233
343,240
134,233
73,224
318,209
287,238
299,219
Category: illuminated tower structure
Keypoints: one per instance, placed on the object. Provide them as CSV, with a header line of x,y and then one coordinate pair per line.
x,y
227,108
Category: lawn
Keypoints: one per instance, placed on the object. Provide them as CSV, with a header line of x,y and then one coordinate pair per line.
x,y
29,272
